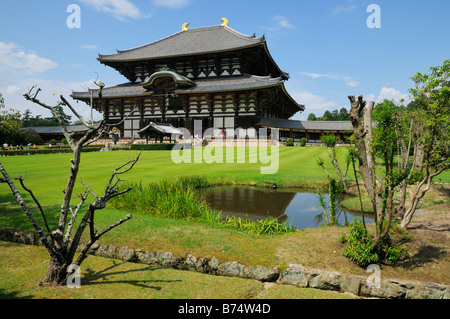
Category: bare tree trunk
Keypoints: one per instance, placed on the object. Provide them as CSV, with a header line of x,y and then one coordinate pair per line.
x,y
56,274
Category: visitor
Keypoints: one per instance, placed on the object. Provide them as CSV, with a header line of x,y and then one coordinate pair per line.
x,y
34,146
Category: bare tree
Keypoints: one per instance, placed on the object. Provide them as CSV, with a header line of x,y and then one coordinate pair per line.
x,y
62,243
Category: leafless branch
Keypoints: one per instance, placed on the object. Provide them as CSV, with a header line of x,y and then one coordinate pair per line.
x,y
83,198
89,190
84,252
21,180
52,250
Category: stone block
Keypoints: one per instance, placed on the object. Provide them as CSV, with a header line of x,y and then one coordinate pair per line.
x,y
261,273
294,276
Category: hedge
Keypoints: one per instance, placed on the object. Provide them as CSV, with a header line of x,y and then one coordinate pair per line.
x,y
156,146
47,151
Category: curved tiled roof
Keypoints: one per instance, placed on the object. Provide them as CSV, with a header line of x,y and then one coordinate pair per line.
x,y
192,41
306,125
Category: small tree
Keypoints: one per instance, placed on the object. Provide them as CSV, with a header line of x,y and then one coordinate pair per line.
x,y
329,140
430,132
333,204
30,136
393,137
62,243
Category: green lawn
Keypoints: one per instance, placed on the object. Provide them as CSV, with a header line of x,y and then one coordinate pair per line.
x,y
109,279
46,175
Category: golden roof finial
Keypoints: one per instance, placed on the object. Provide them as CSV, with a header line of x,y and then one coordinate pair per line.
x,y
184,26
225,22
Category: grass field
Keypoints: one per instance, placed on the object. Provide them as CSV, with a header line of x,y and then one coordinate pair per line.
x,y
46,175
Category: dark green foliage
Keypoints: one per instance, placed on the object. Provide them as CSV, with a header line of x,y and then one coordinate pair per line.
x,y
303,141
334,115
289,142
47,151
329,140
360,245
32,137
156,146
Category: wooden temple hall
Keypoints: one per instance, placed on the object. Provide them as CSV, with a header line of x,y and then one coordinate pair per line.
x,y
219,76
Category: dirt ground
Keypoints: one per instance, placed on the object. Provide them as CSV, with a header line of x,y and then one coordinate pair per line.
x,y
430,231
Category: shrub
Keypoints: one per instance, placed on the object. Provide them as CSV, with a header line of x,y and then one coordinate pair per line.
x,y
329,140
289,142
47,151
303,141
156,146
359,245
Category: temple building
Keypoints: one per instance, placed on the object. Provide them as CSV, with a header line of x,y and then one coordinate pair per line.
x,y
217,75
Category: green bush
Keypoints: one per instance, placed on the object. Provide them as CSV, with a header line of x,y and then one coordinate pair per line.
x,y
156,146
359,245
47,151
303,141
289,142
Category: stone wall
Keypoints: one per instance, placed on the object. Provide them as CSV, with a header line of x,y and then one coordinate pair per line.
x,y
295,275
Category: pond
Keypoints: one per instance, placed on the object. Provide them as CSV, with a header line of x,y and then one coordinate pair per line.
x,y
298,207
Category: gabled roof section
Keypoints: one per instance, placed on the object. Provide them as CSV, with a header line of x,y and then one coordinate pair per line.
x,y
190,42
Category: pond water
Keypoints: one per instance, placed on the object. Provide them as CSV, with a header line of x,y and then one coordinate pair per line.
x,y
298,207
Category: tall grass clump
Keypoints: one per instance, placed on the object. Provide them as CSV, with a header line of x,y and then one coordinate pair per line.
x,y
168,198
267,226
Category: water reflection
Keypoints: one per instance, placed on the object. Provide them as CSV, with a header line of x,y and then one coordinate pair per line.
x,y
295,206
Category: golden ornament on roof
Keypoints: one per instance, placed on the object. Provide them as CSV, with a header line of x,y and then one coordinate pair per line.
x,y
184,26
225,22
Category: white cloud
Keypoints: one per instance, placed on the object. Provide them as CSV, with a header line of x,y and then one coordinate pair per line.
x,y
279,26
313,102
370,97
283,22
391,94
13,58
11,89
343,9
171,4
349,81
120,9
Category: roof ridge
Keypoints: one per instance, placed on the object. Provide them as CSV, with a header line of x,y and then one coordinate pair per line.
x,y
240,34
214,27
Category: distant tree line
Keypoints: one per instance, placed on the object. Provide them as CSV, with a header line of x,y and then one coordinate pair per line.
x,y
13,125
334,115
28,120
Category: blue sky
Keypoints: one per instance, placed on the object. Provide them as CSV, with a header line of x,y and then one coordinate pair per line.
x,y
326,45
